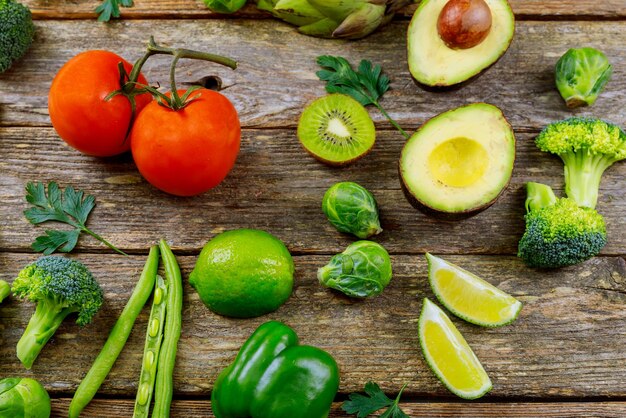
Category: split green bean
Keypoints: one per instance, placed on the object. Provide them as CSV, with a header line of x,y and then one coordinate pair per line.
x,y
164,388
154,337
118,336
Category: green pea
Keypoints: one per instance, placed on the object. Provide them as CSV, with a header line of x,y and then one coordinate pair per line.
x,y
154,337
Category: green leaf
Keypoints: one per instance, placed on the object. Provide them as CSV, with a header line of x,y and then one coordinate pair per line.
x,y
111,8
67,206
394,412
51,242
75,205
376,399
366,85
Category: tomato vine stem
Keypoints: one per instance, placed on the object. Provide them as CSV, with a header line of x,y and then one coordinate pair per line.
x,y
130,87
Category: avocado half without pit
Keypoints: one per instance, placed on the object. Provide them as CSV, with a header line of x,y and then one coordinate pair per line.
x,y
459,162
451,41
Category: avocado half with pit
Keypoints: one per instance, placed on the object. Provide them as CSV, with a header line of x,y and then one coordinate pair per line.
x,y
432,62
459,162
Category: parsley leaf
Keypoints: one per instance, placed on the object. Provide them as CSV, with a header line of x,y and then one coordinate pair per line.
x,y
66,206
363,405
111,8
366,85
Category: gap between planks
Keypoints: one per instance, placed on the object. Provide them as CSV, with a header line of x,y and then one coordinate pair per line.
x,y
201,408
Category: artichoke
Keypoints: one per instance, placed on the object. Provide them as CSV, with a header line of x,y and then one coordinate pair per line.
x,y
350,19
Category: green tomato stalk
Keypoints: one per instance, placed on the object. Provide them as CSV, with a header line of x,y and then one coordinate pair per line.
x,y
581,75
175,101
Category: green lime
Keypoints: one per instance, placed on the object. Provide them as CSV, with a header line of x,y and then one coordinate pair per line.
x,y
243,273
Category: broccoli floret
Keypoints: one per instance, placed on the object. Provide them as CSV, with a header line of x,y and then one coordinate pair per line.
x,y
59,286
587,147
559,233
16,32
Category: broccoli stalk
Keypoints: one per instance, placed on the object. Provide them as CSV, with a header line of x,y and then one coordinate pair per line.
x,y
48,316
539,196
60,286
587,147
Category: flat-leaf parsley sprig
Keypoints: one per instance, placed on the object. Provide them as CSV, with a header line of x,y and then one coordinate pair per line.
x,y
111,8
364,405
366,85
67,206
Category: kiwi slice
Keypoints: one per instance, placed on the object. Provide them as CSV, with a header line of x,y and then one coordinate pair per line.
x,y
336,129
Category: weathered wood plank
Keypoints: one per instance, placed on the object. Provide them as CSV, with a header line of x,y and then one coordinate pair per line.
x,y
84,9
275,186
202,409
276,76
567,343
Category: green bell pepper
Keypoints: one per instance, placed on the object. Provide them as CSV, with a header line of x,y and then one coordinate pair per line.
x,y
275,377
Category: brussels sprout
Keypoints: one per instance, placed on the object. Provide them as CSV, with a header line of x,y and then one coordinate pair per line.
x,y
224,6
581,75
23,398
362,270
351,208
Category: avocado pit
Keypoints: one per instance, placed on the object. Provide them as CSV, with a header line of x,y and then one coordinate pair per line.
x,y
463,24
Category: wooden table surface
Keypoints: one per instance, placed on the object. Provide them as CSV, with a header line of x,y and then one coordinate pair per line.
x,y
564,356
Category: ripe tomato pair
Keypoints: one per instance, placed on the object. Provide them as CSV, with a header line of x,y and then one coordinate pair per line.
x,y
184,152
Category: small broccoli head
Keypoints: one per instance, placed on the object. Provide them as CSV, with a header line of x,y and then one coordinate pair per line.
x,y
59,286
66,282
587,148
561,234
16,32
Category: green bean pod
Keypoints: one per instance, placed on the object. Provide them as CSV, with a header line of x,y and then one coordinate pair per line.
x,y
164,388
154,337
118,336
5,290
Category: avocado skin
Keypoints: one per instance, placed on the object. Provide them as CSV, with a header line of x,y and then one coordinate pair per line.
x,y
445,216
453,87
449,216
443,88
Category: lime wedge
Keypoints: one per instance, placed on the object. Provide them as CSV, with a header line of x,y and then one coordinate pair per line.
x,y
449,356
469,297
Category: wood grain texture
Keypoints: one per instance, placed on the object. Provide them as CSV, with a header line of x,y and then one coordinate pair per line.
x,y
567,343
202,409
276,75
143,9
278,187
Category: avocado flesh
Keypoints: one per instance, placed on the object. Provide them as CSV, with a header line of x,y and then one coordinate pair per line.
x,y
459,162
434,64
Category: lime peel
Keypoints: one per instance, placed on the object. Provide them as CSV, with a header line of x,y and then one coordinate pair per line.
x,y
456,358
469,297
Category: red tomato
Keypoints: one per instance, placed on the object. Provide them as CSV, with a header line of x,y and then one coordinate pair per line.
x,y
188,151
78,111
